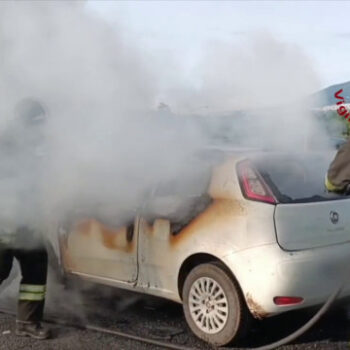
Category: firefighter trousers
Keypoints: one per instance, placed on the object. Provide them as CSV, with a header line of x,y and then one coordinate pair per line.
x,y
33,264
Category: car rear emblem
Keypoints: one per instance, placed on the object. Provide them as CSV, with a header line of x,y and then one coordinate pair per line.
x,y
334,217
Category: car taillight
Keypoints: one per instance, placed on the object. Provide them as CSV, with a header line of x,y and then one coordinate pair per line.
x,y
287,300
253,185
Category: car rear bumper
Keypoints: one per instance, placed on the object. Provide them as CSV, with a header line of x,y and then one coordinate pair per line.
x,y
267,271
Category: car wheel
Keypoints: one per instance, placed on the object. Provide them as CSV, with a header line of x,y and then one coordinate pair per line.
x,y
213,306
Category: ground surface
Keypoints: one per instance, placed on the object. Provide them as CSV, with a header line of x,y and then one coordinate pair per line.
x,y
148,317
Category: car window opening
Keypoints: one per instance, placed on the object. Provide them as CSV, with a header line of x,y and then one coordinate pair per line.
x,y
296,178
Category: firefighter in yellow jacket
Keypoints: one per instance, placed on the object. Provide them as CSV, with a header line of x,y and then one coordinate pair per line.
x,y
338,175
21,166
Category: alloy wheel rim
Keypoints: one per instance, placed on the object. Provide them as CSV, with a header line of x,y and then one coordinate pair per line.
x,y
208,305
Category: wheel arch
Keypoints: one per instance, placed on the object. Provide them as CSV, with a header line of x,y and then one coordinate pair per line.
x,y
196,259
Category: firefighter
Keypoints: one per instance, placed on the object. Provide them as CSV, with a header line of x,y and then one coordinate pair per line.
x,y
21,166
338,175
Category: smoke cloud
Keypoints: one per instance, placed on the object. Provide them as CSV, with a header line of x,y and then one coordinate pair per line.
x,y
105,145
266,79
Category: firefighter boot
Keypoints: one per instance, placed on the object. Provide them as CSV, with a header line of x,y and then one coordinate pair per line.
x,y
32,329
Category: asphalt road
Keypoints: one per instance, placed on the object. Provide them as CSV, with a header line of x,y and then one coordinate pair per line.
x,y
152,318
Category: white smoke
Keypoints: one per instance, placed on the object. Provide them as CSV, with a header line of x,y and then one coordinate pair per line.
x,y
269,80
105,148
258,72
103,142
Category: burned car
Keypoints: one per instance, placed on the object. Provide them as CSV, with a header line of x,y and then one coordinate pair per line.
x,y
262,238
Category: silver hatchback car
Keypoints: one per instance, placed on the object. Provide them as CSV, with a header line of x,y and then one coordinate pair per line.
x,y
256,236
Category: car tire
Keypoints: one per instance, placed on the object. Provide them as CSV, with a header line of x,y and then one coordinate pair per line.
x,y
213,305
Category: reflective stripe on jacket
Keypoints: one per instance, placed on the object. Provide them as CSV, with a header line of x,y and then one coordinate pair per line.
x,y
330,187
32,292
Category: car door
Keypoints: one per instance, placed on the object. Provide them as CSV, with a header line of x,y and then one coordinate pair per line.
x,y
101,248
170,207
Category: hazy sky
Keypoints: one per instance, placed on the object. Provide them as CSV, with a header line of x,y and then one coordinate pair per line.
x,y
180,29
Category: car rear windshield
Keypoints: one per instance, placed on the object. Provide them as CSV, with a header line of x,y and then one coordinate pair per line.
x,y
297,178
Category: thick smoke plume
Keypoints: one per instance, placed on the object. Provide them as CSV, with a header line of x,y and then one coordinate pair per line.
x,y
105,147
